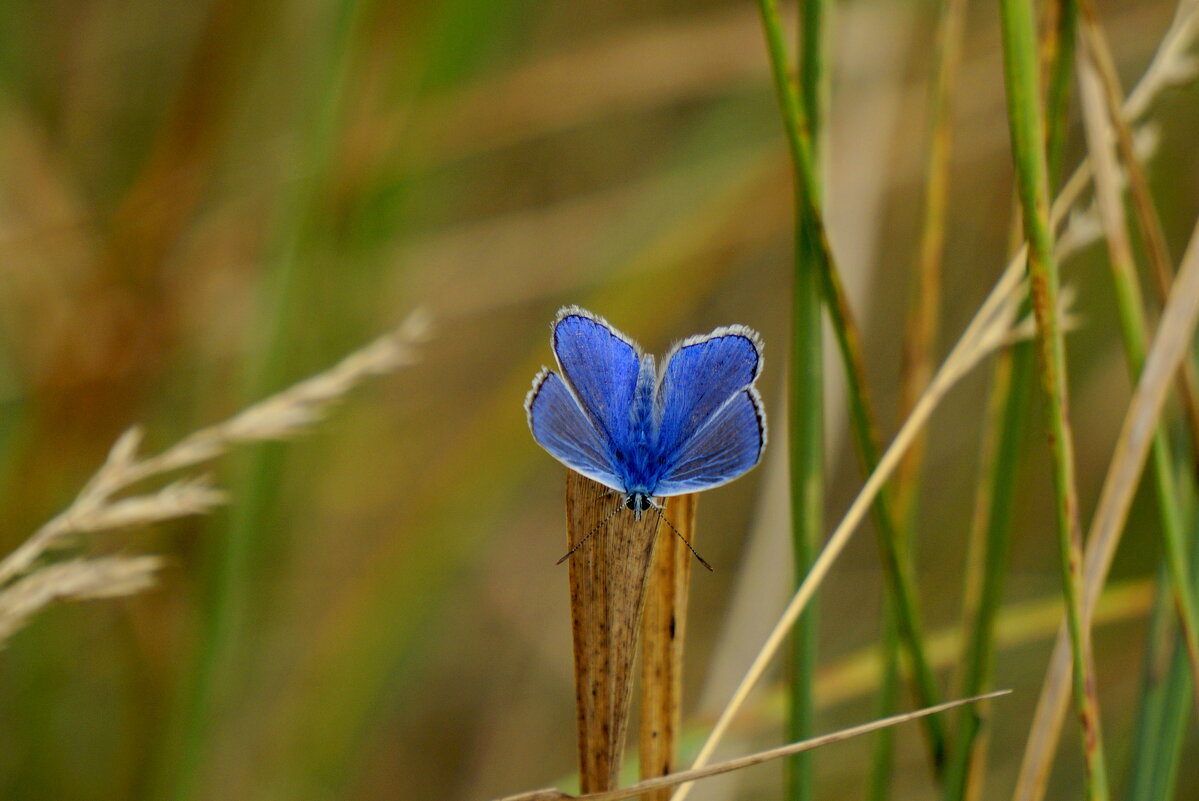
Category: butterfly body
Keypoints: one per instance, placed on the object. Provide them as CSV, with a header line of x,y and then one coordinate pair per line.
x,y
613,416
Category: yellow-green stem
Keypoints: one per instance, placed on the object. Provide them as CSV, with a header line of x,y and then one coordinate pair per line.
x,y
1027,134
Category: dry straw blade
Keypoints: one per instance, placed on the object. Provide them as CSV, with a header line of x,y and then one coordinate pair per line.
x,y
663,632
740,763
608,568
1109,202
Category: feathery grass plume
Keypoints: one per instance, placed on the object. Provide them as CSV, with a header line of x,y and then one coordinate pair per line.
x,y
27,586
74,580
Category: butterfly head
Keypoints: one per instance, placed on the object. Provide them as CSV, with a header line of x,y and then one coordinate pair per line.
x,y
639,502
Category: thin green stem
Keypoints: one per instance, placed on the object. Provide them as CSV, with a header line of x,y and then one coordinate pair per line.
x,y
807,408
1058,65
882,757
808,201
1027,134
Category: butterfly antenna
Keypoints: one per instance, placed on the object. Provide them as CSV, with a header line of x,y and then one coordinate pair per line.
x,y
695,553
598,526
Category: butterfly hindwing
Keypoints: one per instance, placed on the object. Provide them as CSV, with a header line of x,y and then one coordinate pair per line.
x,y
601,366
728,444
699,377
560,426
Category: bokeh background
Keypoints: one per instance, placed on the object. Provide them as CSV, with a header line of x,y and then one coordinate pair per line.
x,y
202,202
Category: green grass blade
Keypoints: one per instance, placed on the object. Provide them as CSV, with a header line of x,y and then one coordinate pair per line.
x,y
882,757
1165,703
1027,134
1011,392
806,406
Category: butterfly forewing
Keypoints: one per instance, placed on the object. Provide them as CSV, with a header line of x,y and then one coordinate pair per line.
x,y
601,366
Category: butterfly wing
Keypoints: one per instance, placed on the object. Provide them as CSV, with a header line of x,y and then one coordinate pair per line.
x,y
712,425
601,365
728,445
561,427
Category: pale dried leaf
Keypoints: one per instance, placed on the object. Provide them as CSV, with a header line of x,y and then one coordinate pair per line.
x,y
1170,344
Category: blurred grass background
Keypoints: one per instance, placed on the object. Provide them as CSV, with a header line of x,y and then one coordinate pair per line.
x,y
201,202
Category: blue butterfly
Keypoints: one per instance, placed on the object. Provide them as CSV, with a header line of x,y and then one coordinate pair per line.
x,y
612,416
